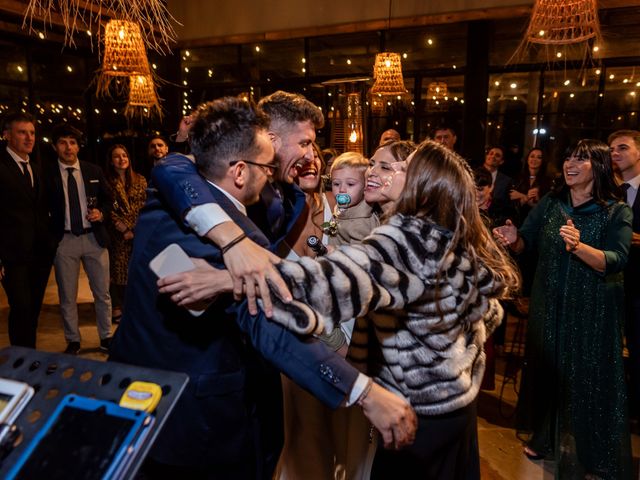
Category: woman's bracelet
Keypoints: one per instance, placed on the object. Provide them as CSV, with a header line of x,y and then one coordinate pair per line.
x,y
365,392
233,243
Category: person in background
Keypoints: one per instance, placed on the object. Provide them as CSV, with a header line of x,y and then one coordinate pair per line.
x,y
27,246
128,190
390,135
445,135
531,185
625,156
572,397
157,149
502,184
80,205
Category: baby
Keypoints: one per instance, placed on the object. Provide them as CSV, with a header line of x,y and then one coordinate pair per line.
x,y
353,218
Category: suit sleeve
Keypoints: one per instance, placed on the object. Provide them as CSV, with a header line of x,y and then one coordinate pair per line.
x,y
177,181
105,199
306,361
618,240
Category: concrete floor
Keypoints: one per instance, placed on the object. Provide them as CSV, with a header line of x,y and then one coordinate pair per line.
x,y
500,451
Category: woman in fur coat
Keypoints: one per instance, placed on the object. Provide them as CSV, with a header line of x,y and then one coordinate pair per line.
x,y
425,288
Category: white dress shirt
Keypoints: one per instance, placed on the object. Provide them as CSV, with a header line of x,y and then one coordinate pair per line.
x,y
77,174
632,191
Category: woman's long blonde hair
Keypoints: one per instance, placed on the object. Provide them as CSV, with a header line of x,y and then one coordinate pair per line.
x,y
441,189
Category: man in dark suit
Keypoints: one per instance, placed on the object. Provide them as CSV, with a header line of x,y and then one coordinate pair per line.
x,y
502,184
625,156
219,429
80,205
26,243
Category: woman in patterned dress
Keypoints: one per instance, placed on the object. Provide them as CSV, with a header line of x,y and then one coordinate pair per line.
x,y
129,194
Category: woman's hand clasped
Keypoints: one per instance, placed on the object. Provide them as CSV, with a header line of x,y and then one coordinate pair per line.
x,y
571,236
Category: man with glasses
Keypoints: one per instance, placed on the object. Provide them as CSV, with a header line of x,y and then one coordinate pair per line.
x,y
227,423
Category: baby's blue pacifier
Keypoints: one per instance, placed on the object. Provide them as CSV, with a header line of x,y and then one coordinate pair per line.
x,y
343,200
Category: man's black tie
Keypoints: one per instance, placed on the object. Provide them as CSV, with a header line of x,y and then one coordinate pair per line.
x,y
75,212
25,172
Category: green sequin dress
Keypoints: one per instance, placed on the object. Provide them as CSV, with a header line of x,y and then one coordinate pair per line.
x,y
573,395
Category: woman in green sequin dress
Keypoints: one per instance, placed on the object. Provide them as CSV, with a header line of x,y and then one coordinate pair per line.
x,y
573,396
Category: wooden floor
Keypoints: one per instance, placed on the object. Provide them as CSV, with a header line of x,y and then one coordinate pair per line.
x,y
501,455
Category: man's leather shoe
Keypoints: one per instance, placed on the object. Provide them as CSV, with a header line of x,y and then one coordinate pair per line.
x,y
72,348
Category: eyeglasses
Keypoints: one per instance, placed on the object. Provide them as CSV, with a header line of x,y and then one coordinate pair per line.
x,y
580,158
268,168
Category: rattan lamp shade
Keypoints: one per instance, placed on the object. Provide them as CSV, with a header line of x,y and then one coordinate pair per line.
x,y
387,73
124,56
124,51
563,22
143,98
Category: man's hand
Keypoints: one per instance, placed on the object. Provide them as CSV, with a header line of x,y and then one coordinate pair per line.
x,y
94,215
200,284
182,134
391,415
251,266
635,239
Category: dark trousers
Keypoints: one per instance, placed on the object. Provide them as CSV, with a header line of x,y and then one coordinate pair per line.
x,y
445,448
24,284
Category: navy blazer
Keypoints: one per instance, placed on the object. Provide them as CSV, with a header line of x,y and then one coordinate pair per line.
x,y
24,214
94,185
215,420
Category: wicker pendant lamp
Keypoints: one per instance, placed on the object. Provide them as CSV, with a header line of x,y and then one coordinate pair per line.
x,y
437,95
563,22
124,56
143,98
387,71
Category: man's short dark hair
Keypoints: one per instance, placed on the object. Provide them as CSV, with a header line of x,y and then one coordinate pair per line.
x,y
443,127
64,130
482,177
13,117
288,108
223,131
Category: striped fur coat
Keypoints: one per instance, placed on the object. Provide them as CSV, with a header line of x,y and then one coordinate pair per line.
x,y
417,334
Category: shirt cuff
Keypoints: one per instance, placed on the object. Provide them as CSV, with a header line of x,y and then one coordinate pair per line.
x,y
204,217
358,387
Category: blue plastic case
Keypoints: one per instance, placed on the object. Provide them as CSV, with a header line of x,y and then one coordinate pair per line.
x,y
84,438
